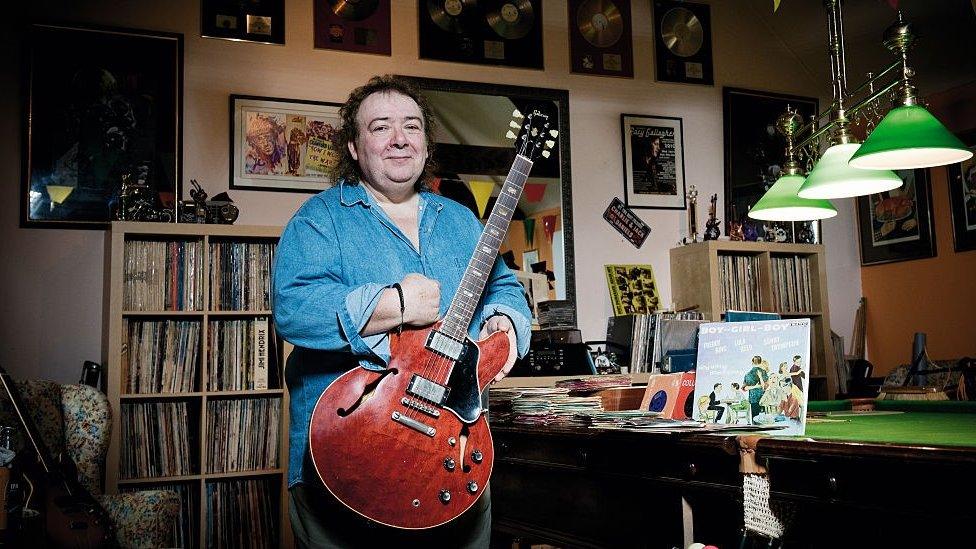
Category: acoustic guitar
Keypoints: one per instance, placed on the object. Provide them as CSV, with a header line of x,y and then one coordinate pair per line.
x,y
409,446
72,518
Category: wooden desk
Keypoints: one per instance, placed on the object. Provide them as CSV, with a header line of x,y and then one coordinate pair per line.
x,y
873,481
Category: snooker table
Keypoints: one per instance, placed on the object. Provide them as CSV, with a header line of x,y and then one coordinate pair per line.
x,y
903,475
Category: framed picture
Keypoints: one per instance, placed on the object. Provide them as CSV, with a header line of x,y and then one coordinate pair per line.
x,y
962,198
362,27
683,42
754,150
529,258
102,104
654,166
282,144
252,21
896,225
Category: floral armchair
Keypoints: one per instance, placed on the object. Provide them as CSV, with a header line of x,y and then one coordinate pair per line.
x,y
76,419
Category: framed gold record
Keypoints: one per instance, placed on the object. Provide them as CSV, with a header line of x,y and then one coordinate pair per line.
x,y
683,42
600,37
512,19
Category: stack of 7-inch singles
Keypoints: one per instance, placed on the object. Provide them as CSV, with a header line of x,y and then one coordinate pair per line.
x,y
683,42
600,37
489,32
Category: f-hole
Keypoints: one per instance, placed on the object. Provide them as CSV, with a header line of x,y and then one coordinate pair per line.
x,y
463,448
368,391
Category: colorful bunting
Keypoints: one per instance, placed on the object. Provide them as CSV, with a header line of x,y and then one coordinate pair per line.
x,y
534,191
529,225
549,225
482,192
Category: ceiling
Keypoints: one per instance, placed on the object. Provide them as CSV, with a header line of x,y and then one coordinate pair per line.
x,y
943,55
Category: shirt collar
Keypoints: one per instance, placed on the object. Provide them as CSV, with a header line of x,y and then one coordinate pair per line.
x,y
351,194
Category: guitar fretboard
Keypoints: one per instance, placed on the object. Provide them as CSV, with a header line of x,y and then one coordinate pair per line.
x,y
475,277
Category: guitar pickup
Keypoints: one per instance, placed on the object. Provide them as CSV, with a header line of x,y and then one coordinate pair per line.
x,y
444,345
426,389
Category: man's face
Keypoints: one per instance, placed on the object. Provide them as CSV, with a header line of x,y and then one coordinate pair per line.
x,y
655,148
391,147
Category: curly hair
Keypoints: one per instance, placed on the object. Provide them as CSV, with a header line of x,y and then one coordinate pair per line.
x,y
347,167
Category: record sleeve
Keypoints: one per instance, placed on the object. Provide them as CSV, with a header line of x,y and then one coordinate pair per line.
x,y
353,25
601,37
683,42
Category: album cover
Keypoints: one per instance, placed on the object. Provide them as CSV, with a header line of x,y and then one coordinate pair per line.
x,y
486,32
754,373
253,21
683,42
632,289
362,26
600,37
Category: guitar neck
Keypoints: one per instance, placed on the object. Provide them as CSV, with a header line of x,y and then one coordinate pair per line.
x,y
30,430
479,268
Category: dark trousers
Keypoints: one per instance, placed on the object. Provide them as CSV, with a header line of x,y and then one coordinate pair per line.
x,y
318,519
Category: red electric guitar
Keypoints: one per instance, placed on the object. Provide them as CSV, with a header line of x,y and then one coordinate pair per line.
x,y
409,446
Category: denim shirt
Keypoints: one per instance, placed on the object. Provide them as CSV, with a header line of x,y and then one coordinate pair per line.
x,y
335,257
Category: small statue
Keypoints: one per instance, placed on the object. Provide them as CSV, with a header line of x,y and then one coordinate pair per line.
x,y
804,233
712,232
769,232
749,231
136,201
692,216
735,231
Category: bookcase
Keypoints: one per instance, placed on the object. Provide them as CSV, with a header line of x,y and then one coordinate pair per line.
x,y
195,378
790,279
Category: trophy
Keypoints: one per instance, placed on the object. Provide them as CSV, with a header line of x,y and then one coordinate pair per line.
x,y
692,216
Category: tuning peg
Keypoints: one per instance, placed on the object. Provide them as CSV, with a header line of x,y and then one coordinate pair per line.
x,y
510,134
554,133
546,153
514,124
517,114
550,143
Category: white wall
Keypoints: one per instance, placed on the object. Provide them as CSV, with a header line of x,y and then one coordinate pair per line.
x,y
51,280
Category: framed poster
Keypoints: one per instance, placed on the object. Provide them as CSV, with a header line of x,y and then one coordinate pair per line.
x,y
896,225
251,21
754,150
282,144
102,104
654,169
962,198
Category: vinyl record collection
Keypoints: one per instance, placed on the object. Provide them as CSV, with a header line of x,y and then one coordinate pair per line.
x,y
741,291
241,355
791,284
161,356
242,513
156,440
163,276
240,276
252,429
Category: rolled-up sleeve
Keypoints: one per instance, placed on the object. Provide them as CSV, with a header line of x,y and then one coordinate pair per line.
x,y
313,307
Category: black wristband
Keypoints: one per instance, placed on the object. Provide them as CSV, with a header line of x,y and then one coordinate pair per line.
x,y
396,286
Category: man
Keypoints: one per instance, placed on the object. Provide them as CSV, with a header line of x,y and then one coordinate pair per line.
x,y
715,402
335,297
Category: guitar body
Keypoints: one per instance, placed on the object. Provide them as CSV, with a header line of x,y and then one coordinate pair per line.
x,y
72,517
399,459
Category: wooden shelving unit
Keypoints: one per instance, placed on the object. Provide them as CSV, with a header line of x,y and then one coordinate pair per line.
x,y
699,280
196,483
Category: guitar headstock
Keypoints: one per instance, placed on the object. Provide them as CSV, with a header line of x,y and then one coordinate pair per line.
x,y
534,136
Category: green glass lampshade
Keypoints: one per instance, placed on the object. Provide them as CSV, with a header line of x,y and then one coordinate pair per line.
x,y
909,137
832,177
780,203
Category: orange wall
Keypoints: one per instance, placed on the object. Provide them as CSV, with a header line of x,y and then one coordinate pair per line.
x,y
936,296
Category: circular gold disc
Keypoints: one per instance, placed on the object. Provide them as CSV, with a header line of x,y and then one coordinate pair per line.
x,y
682,32
600,22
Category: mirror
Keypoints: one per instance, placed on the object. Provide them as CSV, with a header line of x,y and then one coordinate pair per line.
x,y
473,155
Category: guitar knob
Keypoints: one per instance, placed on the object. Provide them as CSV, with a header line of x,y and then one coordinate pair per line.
x,y
477,456
472,486
445,496
449,464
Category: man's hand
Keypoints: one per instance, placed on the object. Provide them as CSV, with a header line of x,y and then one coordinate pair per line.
x,y
421,299
498,323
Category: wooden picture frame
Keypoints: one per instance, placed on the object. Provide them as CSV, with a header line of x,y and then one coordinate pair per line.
x,y
962,199
653,160
282,144
101,103
897,225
